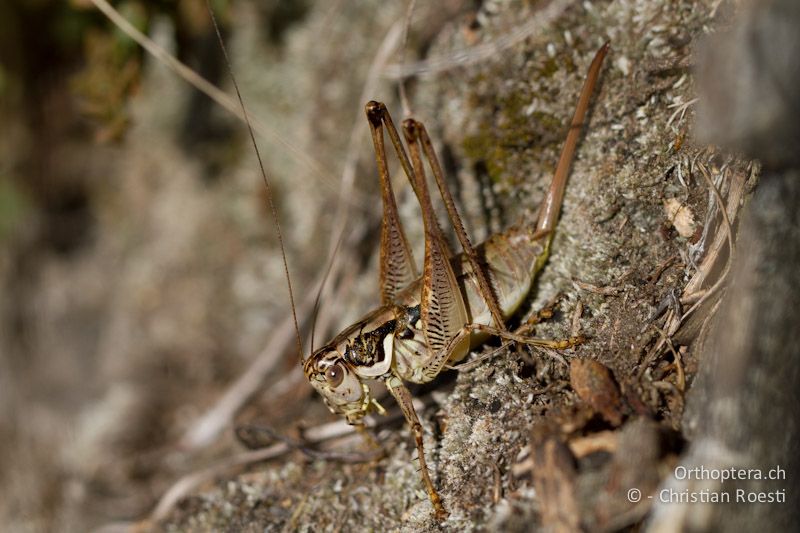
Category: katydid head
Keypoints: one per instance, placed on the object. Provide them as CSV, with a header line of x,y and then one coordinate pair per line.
x,y
335,379
361,352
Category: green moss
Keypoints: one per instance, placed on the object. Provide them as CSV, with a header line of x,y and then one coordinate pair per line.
x,y
549,68
13,207
510,131
485,147
547,121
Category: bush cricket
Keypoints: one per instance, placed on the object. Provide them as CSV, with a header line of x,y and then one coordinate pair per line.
x,y
429,321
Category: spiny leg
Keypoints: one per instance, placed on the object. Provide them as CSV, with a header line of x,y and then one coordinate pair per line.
x,y
397,268
551,207
416,133
403,397
442,309
517,336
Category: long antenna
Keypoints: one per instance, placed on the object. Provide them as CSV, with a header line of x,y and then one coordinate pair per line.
x,y
322,287
270,199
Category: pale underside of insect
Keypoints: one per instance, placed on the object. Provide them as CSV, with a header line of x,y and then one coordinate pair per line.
x,y
431,320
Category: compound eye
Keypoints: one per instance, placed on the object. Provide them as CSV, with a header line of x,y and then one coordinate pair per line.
x,y
334,375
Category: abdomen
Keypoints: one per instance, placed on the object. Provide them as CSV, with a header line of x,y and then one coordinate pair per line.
x,y
512,259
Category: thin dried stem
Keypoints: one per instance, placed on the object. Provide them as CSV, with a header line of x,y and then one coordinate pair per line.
x,y
213,422
312,436
346,185
729,234
226,101
401,85
191,481
305,448
206,429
